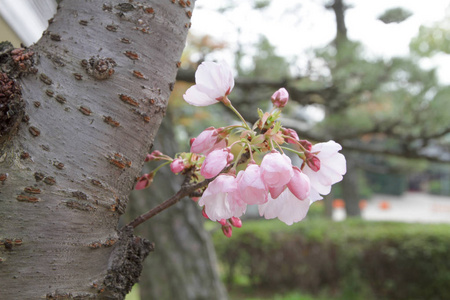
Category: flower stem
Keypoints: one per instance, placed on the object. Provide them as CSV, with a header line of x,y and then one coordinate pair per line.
x,y
301,154
160,166
239,115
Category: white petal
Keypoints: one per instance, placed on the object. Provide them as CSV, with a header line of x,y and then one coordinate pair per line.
x,y
214,79
286,207
195,97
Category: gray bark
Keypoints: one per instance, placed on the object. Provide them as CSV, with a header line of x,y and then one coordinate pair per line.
x,y
69,169
184,264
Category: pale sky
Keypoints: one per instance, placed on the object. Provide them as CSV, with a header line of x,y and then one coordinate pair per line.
x,y
298,26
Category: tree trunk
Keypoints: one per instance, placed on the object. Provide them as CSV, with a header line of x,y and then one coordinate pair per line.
x,y
93,102
350,186
184,264
339,9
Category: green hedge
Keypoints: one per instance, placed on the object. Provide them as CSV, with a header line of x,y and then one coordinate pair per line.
x,y
349,260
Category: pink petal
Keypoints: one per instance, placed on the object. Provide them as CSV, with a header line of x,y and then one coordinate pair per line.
x,y
276,191
251,186
299,184
276,169
214,163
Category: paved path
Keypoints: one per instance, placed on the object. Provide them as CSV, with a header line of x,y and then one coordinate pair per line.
x,y
410,207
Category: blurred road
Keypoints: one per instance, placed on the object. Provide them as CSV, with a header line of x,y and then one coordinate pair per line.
x,y
410,207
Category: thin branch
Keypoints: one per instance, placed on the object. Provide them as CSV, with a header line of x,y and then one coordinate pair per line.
x,y
185,190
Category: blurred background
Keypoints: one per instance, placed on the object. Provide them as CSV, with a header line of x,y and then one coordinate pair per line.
x,y
373,76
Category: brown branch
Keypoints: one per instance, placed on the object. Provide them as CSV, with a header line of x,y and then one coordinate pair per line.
x,y
303,97
185,190
405,153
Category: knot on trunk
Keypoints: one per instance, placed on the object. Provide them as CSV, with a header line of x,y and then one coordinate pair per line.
x,y
11,107
17,62
125,264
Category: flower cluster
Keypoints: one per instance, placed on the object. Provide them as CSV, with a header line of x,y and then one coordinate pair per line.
x,y
260,172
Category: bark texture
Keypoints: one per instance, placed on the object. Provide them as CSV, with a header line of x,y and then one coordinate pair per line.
x,y
94,98
184,265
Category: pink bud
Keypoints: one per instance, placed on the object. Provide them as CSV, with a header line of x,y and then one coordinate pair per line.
x,y
177,165
236,222
191,141
276,169
306,144
227,230
207,141
215,162
312,161
292,135
223,222
157,153
144,181
280,98
299,184
153,156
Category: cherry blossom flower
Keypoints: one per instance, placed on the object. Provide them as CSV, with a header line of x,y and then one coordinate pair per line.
x,y
276,169
287,208
215,162
221,199
207,141
332,167
177,165
213,83
280,98
251,185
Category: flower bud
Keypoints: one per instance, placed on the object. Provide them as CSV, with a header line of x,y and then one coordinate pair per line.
x,y
236,222
280,98
223,222
306,144
215,162
177,165
144,181
153,156
312,161
207,141
227,230
292,135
